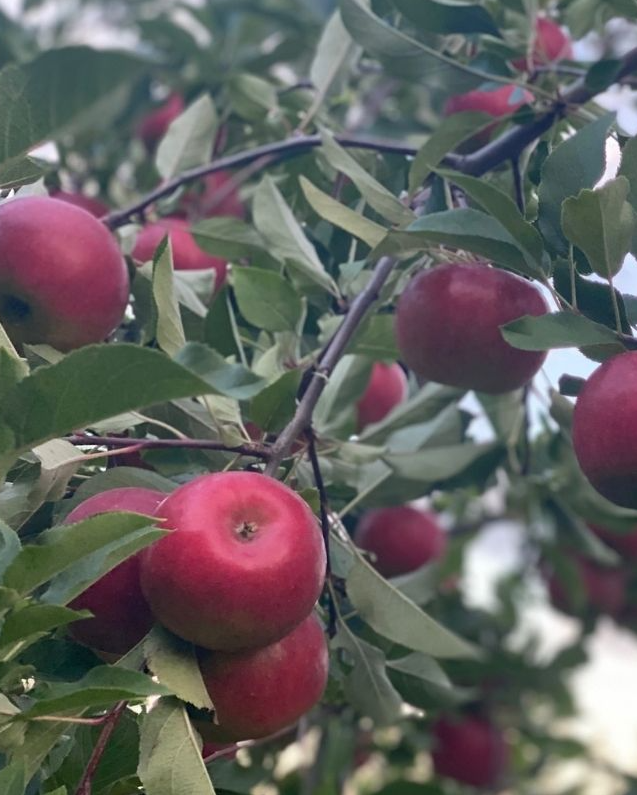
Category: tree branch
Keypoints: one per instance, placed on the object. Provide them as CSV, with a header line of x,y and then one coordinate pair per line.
x,y
253,449
110,724
327,362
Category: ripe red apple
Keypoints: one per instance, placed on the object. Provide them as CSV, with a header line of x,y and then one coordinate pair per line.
x,y
499,102
604,589
387,388
63,280
244,565
448,323
402,539
626,543
605,429
470,750
550,45
91,205
186,253
215,196
260,691
152,128
121,615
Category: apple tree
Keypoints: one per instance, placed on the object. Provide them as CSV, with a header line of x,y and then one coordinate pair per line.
x,y
278,282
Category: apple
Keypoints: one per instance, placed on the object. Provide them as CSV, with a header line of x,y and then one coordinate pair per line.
x,y
604,589
605,429
258,692
91,205
243,565
186,253
216,195
153,126
448,322
470,750
550,45
498,102
402,539
63,280
387,388
121,615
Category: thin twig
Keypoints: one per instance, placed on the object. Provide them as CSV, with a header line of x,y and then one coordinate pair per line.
x,y
86,782
254,449
327,362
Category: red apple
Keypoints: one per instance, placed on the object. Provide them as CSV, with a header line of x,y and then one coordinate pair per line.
x,y
605,429
260,691
550,45
91,205
604,589
470,750
498,102
63,280
215,196
387,388
121,615
152,128
243,566
402,539
186,253
448,323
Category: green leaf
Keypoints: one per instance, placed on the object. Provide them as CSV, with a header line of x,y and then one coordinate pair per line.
x,y
450,132
575,164
59,548
102,686
376,195
628,169
20,172
169,329
266,299
281,231
57,92
556,330
188,142
228,237
174,662
421,681
275,406
251,97
435,464
35,618
503,208
341,216
224,378
376,339
345,386
602,224
10,547
447,16
367,686
13,779
334,54
394,616
170,761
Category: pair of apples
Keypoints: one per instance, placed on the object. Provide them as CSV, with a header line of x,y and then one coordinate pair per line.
x,y
238,575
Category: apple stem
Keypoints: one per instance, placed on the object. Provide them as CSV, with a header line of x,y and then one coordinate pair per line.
x,y
110,724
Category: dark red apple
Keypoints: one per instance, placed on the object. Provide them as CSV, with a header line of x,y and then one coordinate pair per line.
x,y
152,128
217,195
550,45
244,565
63,280
90,204
470,750
387,388
401,539
605,429
121,615
261,691
186,253
499,102
448,322
604,589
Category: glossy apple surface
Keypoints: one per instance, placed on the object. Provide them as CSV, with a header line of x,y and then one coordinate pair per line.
x,y
63,280
470,750
121,615
152,128
448,322
387,388
243,565
550,45
186,253
261,691
605,429
90,204
401,539
500,102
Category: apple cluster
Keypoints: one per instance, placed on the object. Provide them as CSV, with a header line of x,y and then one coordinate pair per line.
x,y
237,574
